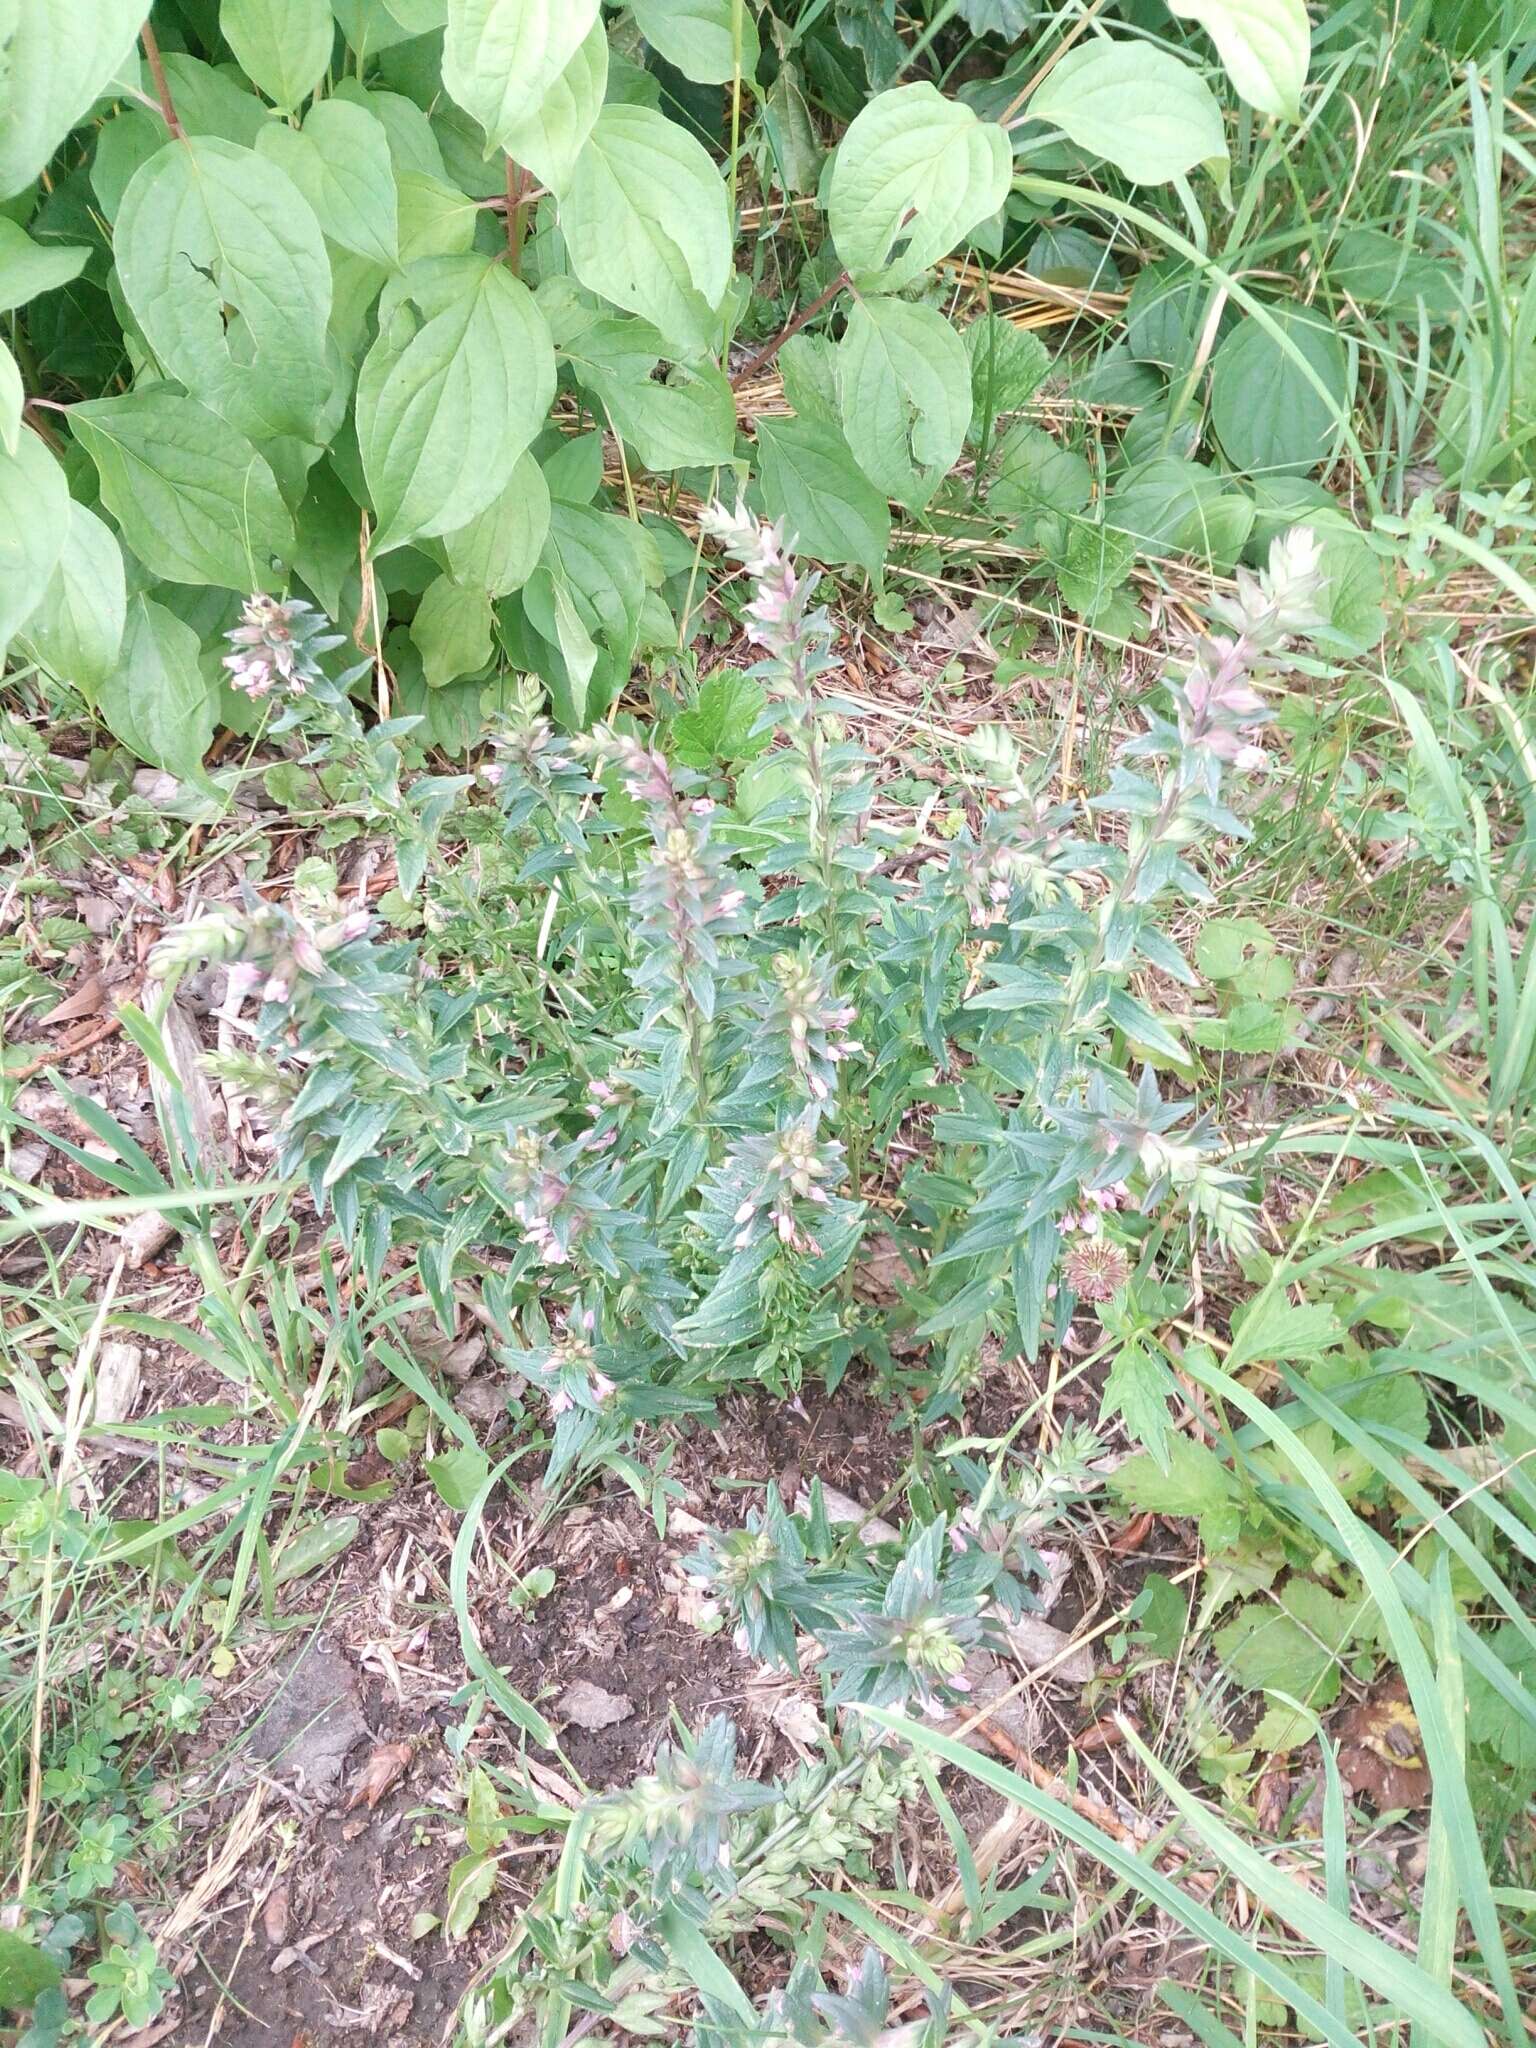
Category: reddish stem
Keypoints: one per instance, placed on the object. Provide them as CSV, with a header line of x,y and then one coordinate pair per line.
x,y
788,331
156,65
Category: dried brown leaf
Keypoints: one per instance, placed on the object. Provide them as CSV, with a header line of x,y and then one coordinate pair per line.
x,y
588,1706
386,1765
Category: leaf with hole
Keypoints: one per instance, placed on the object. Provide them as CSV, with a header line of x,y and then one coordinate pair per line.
x,y
450,395
1140,108
904,385
224,267
194,500
912,176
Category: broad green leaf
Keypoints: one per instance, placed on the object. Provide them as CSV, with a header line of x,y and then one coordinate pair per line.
x,y
419,17
912,176
284,46
129,139
549,141
811,481
34,523
450,395
1164,503
688,421
1098,559
195,501
501,57
586,598
1192,1482
473,1877
28,268
807,366
709,41
904,382
76,633
25,1972
721,723
499,549
156,700
369,27
58,59
413,145
452,631
458,1475
1036,474
224,266
1140,108
1293,1646
12,397
1381,269
435,219
341,163
328,547
1264,44
1169,305
209,100
646,226
1267,414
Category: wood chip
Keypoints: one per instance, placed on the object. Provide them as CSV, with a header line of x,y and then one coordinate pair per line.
x,y
588,1706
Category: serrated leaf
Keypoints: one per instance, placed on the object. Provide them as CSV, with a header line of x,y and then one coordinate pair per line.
x,y
451,631
1008,366
1098,559
1036,474
34,524
1265,45
28,268
912,176
1266,411
645,225
1274,1328
549,141
699,37
1292,1646
341,163
194,500
1140,108
1193,1480
499,548
811,481
58,60
720,723
224,267
156,700
450,395
1137,1390
76,632
283,45
904,385
501,57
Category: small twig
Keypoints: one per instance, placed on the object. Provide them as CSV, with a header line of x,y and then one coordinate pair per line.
x,y
788,331
162,83
517,186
